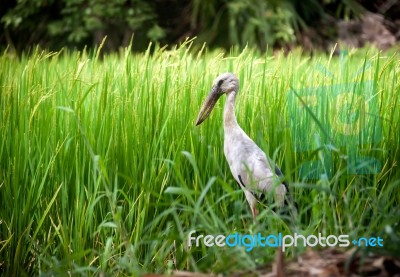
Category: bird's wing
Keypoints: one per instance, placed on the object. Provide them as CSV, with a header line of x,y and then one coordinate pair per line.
x,y
260,171
249,164
257,175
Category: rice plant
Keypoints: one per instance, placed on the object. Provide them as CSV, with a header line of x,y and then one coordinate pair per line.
x,y
102,170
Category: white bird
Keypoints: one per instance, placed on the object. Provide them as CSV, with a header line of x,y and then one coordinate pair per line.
x,y
248,163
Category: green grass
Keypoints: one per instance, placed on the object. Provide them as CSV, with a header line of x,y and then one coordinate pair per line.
x,y
103,171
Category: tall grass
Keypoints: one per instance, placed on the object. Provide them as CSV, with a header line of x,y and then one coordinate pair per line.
x,y
103,171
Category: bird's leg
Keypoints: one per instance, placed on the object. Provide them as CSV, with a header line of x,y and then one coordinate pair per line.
x,y
250,199
254,212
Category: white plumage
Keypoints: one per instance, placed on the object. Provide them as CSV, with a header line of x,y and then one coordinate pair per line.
x,y
248,163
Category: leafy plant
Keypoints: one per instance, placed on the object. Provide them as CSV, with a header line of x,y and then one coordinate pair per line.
x,y
102,170
220,23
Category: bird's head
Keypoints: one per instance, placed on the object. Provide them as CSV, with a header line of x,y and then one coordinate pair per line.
x,y
224,83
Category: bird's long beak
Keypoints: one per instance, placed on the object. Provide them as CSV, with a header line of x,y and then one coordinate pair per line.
x,y
208,104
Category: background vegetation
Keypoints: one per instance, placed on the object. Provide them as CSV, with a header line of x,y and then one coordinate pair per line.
x,y
260,23
103,171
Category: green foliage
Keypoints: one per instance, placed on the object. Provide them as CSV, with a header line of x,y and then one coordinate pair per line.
x,y
84,17
102,170
258,22
79,23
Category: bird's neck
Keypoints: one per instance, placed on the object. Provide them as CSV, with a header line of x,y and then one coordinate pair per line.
x,y
229,111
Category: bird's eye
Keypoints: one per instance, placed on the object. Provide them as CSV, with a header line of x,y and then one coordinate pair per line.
x,y
220,82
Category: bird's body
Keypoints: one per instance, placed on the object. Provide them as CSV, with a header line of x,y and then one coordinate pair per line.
x,y
248,163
